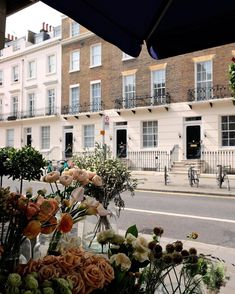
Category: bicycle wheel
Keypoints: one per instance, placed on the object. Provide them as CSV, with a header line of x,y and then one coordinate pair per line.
x,y
190,177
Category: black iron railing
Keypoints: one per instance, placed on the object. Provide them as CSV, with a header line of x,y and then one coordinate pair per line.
x,y
141,101
80,108
46,111
208,93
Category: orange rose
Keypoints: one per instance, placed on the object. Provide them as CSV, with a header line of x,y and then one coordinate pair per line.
x,y
32,229
78,283
47,209
32,210
106,269
66,223
93,277
48,272
49,226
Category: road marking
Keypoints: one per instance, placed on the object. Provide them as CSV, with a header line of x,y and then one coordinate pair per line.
x,y
223,220
190,194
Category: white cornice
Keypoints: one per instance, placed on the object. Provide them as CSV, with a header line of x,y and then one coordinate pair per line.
x,y
77,38
32,48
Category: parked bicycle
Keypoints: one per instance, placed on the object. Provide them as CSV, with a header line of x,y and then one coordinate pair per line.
x,y
193,177
222,175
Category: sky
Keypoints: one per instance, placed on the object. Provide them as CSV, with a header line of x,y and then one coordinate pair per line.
x,y
31,18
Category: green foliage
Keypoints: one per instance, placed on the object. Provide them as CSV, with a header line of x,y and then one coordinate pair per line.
x,y
114,173
132,230
5,154
25,164
232,77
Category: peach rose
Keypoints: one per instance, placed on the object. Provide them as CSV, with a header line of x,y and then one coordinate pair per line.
x,y
80,175
78,283
97,181
52,177
66,180
106,269
47,209
93,277
90,174
48,272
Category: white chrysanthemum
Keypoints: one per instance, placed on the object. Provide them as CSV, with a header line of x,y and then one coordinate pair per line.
x,y
130,238
140,244
141,256
121,260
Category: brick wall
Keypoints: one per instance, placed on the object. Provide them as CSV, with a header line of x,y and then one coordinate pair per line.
x,y
179,69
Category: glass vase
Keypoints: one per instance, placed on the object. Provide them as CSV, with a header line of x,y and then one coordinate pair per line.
x,y
93,225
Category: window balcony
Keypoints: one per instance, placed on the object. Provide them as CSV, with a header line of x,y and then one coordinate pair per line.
x,y
209,93
41,112
142,101
81,108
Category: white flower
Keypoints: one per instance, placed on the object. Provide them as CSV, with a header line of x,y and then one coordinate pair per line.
x,y
121,260
141,256
130,238
117,239
140,244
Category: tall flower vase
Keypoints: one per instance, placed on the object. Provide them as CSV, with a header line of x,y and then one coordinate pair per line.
x,y
95,224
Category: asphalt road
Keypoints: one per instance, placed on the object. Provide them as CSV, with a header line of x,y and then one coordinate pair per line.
x,y
213,217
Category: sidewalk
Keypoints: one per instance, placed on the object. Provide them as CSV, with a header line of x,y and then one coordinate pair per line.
x,y
154,181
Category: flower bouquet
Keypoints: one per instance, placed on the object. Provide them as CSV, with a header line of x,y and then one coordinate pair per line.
x,y
144,266
68,189
74,271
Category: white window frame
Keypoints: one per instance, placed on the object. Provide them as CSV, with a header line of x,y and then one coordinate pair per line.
x,y
95,100
10,138
158,84
15,73
45,137
51,101
129,96
126,56
74,29
51,67
31,69
31,104
1,78
14,105
95,58
74,107
227,128
207,94
149,134
75,62
89,136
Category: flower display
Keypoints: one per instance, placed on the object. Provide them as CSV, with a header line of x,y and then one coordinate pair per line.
x,y
144,266
67,190
74,272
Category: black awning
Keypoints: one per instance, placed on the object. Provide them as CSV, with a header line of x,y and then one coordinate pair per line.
x,y
167,27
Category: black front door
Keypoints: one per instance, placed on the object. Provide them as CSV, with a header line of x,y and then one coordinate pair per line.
x,y
193,135
121,143
68,145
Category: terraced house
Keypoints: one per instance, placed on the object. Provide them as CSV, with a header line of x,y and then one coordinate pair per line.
x,y
152,113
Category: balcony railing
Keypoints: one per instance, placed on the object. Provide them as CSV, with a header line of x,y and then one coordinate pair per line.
x,y
86,107
142,101
209,93
48,111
